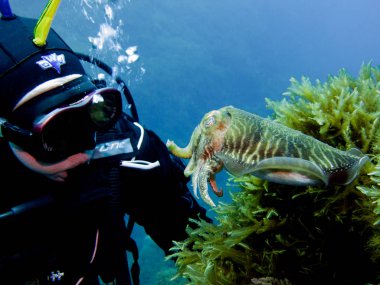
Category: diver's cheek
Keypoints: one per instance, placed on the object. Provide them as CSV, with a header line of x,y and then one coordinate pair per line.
x,y
55,171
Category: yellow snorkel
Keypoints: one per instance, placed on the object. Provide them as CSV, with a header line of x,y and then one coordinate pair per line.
x,y
43,25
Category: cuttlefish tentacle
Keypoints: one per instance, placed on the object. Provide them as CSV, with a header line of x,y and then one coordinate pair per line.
x,y
216,166
191,166
187,151
203,163
214,125
195,179
201,183
203,174
244,143
217,191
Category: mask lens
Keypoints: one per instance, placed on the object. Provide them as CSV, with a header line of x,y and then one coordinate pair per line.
x,y
67,134
71,129
105,108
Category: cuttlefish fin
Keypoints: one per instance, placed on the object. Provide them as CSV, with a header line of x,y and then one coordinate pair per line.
x,y
290,171
355,151
350,174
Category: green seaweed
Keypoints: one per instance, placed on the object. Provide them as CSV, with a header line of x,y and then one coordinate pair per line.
x,y
274,234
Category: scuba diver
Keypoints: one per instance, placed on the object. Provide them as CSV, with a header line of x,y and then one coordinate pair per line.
x,y
75,164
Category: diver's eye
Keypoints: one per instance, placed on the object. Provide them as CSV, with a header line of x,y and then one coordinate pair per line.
x,y
210,121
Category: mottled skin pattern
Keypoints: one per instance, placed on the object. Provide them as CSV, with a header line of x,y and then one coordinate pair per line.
x,y
244,143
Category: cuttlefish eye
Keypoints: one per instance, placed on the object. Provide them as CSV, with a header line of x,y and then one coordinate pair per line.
x,y
210,121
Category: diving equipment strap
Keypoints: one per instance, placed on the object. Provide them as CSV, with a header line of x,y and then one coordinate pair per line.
x,y
140,164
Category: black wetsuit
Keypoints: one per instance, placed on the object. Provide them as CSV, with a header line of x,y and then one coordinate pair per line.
x,y
63,231
58,230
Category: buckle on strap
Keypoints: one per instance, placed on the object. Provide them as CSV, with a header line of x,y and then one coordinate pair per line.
x,y
140,164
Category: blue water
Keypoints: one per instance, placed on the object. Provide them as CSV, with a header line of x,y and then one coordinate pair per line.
x,y
198,55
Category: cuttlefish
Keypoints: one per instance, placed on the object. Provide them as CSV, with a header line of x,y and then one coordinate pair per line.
x,y
244,143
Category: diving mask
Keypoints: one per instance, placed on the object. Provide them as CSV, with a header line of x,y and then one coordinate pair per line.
x,y
68,129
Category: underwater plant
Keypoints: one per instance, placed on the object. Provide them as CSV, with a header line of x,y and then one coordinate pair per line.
x,y
273,234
